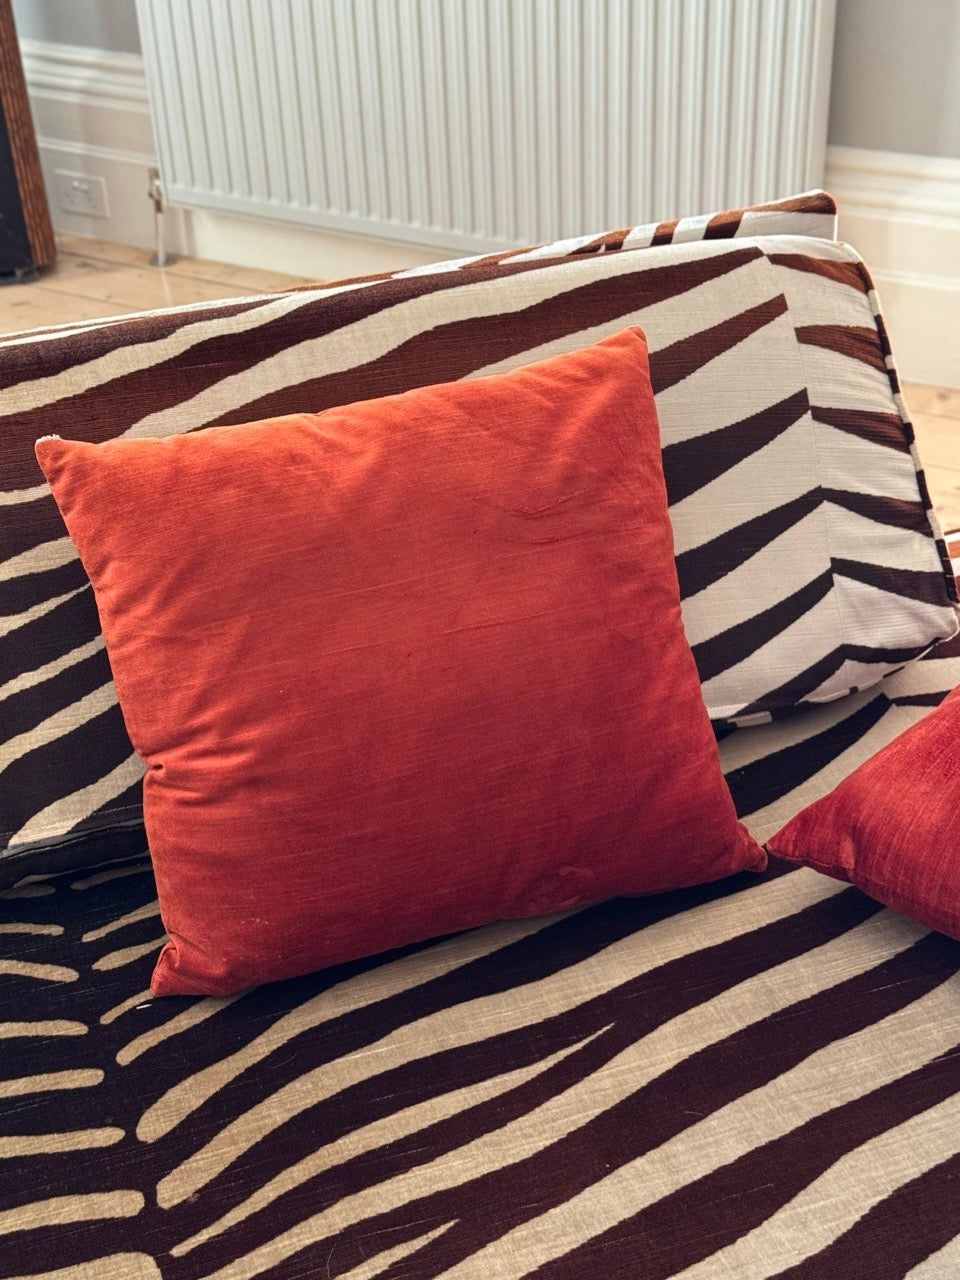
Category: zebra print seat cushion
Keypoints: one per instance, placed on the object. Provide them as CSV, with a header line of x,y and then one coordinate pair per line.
x,y
432,640
809,561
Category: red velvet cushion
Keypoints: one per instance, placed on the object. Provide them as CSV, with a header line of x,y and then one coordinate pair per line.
x,y
891,827
402,667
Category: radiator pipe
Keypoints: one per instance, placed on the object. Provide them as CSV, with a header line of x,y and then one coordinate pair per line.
x,y
161,258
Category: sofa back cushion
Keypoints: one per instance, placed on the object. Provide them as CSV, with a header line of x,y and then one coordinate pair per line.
x,y
809,562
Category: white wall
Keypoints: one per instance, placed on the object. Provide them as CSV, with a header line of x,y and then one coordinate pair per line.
x,y
896,76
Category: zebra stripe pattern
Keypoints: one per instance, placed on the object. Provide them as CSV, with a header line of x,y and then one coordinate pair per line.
x,y
757,1078
67,770
747,373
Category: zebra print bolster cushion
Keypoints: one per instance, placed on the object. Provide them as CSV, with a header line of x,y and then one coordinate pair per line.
x,y
404,667
890,827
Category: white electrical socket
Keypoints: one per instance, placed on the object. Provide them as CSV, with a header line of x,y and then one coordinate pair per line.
x,y
81,193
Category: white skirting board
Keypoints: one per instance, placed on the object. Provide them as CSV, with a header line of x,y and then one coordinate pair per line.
x,y
91,113
902,212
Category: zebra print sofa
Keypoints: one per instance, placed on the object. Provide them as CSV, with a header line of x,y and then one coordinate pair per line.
x,y
756,1077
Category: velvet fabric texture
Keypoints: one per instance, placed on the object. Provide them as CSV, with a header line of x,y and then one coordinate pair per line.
x,y
891,826
402,667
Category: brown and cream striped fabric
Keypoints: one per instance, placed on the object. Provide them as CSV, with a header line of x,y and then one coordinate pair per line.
x,y
812,213
808,561
758,1078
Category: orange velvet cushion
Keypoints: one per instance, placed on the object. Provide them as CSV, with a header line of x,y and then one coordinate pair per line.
x,y
891,826
402,667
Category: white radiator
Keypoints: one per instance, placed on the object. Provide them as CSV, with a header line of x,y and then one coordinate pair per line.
x,y
480,124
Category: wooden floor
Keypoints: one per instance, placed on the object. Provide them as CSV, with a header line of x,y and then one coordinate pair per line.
x,y
96,278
